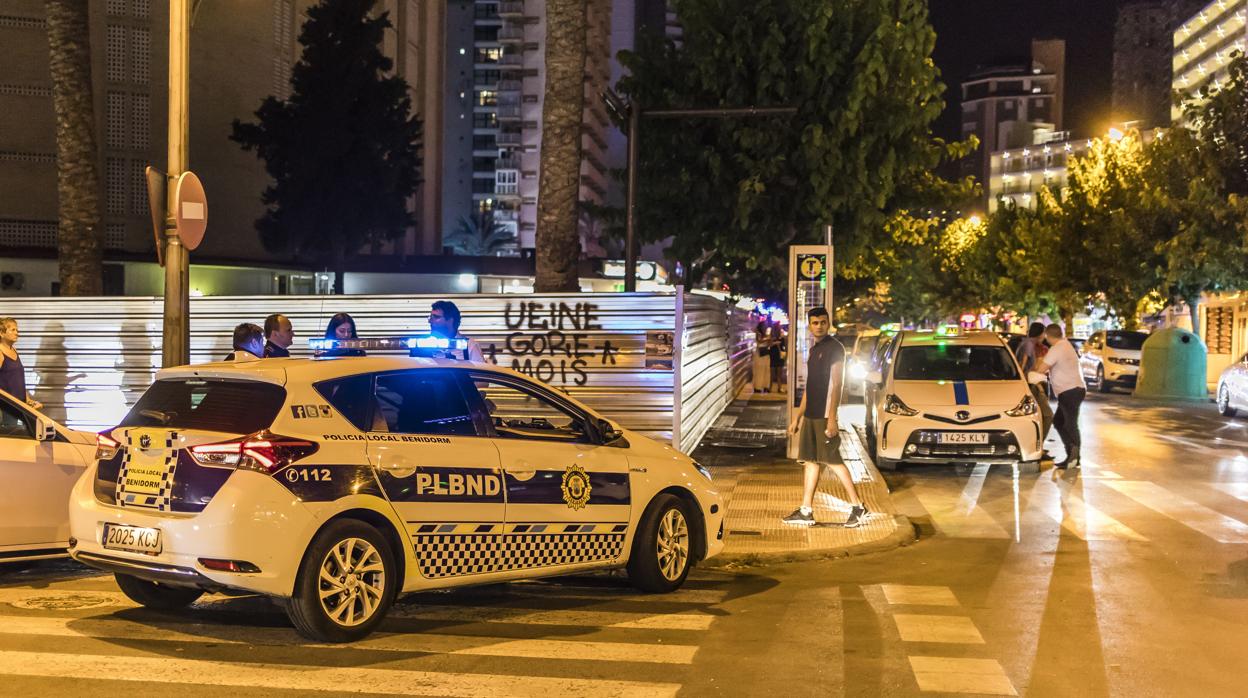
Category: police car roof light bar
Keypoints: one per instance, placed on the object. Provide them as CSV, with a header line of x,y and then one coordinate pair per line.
x,y
426,342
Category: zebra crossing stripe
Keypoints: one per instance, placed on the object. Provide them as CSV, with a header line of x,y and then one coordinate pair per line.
x,y
1077,516
432,643
572,617
961,675
1200,518
954,520
1238,490
312,678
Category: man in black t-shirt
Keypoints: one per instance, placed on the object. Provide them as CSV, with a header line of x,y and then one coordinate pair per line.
x,y
816,426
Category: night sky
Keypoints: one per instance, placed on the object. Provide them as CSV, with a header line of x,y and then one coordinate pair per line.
x,y
976,32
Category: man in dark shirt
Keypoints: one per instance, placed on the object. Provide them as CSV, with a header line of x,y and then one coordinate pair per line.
x,y
248,343
278,336
816,426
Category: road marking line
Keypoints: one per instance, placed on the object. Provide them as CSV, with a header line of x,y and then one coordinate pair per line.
x,y
974,485
1238,490
1200,518
915,627
313,678
574,617
952,521
914,595
1077,516
961,675
432,643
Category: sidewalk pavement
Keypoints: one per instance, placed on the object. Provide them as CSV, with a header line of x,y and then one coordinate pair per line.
x,y
745,452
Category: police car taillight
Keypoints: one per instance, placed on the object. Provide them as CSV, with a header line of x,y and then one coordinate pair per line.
x,y
264,453
105,447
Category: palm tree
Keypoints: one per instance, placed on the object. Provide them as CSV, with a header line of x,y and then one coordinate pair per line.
x,y
78,240
557,241
479,236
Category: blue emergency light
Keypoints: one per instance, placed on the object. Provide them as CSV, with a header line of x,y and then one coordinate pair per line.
x,y
419,344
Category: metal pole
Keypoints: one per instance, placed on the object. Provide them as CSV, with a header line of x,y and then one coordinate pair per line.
x,y
175,349
630,242
827,298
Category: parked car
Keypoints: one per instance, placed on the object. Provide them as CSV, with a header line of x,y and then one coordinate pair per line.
x,y
1111,358
40,460
951,398
860,363
1232,394
334,484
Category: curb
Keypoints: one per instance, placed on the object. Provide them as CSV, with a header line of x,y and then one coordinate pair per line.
x,y
904,534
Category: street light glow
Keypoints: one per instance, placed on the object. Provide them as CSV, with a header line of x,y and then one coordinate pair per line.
x,y
1116,134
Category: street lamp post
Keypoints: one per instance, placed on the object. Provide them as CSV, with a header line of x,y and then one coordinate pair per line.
x,y
634,112
175,350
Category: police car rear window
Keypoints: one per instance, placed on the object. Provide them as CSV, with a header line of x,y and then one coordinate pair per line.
x,y
951,362
208,404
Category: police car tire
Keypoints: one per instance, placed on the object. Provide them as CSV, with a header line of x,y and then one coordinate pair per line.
x,y
644,572
162,597
305,609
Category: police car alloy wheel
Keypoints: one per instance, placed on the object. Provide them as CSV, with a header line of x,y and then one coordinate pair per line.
x,y
660,559
346,583
162,597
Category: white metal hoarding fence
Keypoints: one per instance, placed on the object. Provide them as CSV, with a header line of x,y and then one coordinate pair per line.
x,y
89,359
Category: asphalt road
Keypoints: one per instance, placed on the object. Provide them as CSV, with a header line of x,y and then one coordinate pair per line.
x,y
1127,578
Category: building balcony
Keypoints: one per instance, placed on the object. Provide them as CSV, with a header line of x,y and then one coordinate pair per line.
x,y
510,85
508,162
509,112
511,9
511,60
509,139
511,35
510,191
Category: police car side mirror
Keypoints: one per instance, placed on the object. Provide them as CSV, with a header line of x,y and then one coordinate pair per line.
x,y
610,435
45,430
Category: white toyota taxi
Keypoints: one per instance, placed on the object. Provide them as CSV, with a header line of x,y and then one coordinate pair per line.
x,y
334,484
955,397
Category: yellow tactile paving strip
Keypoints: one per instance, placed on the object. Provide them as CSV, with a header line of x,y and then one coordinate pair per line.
x,y
759,495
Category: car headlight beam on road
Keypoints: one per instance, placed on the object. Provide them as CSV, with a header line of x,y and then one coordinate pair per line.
x,y
894,405
1025,407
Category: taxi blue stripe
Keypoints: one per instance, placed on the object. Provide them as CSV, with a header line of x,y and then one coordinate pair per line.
x,y
959,393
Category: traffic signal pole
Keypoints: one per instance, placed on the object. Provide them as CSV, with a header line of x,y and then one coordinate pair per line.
x,y
175,349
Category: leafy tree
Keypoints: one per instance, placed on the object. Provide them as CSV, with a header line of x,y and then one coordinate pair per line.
x,y
737,190
79,233
479,236
557,239
344,150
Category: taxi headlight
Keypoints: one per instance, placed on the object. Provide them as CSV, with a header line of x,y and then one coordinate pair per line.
x,y
857,370
1025,408
894,405
702,469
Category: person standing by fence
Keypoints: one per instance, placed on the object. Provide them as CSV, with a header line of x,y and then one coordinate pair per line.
x,y
762,358
12,372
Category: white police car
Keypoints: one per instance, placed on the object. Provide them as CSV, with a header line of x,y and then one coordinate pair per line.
x,y
951,398
335,484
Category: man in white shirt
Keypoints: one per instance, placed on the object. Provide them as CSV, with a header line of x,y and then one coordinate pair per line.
x,y
1062,365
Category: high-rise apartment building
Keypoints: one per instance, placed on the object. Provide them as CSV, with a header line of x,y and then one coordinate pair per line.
x,y
1004,105
1143,56
493,116
1204,44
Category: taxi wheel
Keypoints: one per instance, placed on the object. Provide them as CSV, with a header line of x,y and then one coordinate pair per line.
x,y
1101,385
162,597
660,559
346,583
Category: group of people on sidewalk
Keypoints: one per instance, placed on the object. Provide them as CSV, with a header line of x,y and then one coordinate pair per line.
x,y
770,343
1046,357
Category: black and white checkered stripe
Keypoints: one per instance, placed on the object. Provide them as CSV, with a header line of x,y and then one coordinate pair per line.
x,y
163,499
459,555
